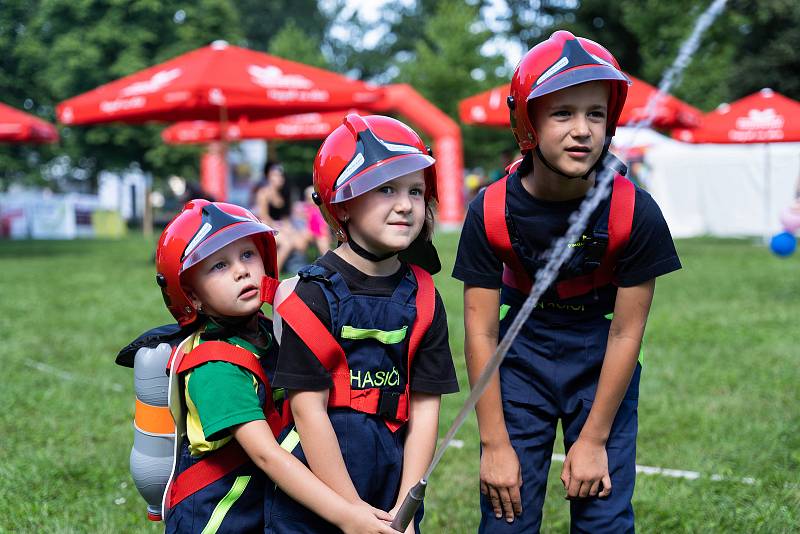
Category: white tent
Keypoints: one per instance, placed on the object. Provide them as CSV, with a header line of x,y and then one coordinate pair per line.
x,y
723,190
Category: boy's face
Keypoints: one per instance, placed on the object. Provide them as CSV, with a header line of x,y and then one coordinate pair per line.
x,y
389,217
227,283
570,126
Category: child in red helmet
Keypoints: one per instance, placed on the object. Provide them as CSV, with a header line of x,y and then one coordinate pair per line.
x,y
364,347
216,267
571,362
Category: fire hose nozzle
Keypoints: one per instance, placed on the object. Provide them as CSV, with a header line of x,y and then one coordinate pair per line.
x,y
410,506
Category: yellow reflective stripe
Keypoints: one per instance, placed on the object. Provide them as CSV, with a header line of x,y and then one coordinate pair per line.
x,y
290,441
504,311
225,504
389,337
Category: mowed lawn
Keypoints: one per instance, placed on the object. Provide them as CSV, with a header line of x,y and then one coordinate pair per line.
x,y
719,392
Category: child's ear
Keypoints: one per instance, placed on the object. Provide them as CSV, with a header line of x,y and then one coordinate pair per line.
x,y
193,297
340,211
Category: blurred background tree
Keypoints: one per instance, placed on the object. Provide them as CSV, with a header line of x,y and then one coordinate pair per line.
x,y
51,50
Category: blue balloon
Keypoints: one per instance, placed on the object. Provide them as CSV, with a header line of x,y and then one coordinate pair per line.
x,y
783,244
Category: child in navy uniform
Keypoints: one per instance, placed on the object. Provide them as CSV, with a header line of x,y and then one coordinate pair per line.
x,y
364,346
216,265
575,359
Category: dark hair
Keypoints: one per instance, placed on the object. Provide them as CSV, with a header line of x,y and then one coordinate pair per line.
x,y
272,165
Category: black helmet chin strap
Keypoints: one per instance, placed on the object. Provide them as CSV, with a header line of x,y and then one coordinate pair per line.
x,y
558,171
364,253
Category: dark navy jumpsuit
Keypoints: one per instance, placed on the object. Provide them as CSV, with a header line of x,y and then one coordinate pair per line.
x,y
551,370
374,333
234,503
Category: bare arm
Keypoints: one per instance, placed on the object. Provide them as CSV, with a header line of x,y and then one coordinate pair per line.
x,y
423,428
298,482
320,444
500,473
587,462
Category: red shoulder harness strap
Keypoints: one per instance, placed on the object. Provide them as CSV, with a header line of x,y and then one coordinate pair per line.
x,y
219,463
332,357
620,220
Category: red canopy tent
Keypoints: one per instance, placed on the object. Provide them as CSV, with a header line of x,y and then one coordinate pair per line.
x,y
20,127
290,128
669,112
763,117
219,82
489,108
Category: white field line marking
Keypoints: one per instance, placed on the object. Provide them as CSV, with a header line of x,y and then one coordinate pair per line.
x,y
674,473
65,375
455,443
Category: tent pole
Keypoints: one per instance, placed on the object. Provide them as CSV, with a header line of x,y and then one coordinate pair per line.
x,y
767,193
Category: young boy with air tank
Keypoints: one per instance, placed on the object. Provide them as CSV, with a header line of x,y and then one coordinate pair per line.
x,y
216,266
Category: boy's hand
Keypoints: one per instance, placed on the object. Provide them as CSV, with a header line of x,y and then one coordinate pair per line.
x,y
365,519
585,472
501,480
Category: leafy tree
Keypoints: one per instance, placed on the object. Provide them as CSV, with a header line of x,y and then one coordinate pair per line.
x,y
293,43
262,21
769,48
62,48
446,65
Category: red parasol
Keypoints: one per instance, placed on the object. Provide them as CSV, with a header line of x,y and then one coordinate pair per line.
x,y
216,82
489,108
763,117
669,112
20,127
289,128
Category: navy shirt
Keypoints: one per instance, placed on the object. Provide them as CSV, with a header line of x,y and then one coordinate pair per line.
x,y
649,253
299,369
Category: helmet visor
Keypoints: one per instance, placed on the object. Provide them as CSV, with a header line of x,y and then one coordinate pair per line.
x,y
221,239
380,173
577,76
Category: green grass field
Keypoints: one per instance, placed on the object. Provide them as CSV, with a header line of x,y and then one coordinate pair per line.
x,y
719,392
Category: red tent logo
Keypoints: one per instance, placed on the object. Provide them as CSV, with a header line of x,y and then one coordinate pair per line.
x,y
272,77
158,81
760,119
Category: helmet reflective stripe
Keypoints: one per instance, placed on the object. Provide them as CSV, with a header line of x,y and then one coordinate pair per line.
x,y
350,169
563,62
371,150
214,219
198,238
603,61
405,149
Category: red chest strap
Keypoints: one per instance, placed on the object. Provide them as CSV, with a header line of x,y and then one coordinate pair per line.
x,y
323,344
496,227
219,463
620,220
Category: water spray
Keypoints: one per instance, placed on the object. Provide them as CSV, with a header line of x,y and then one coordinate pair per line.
x,y
556,255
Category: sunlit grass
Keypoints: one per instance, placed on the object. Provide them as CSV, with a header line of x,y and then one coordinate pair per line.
x,y
719,392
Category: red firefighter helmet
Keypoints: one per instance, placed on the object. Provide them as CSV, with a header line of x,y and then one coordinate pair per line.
x,y
363,153
199,230
562,61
